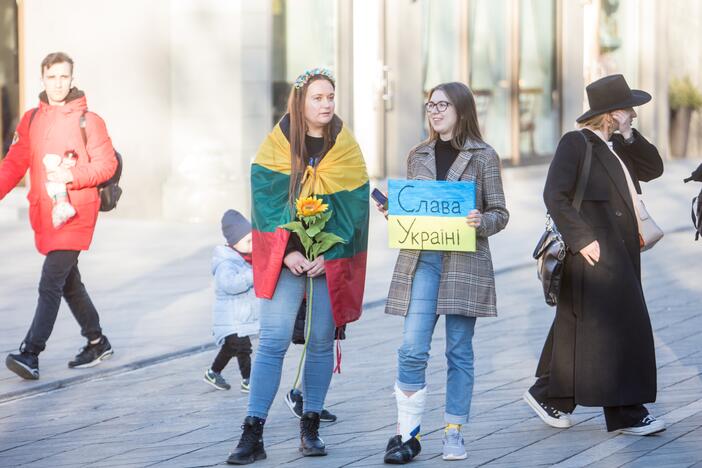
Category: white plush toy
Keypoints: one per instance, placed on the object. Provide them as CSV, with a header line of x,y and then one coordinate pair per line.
x,y
62,210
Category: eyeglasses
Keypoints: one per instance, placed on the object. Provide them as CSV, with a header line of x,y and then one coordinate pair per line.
x,y
440,106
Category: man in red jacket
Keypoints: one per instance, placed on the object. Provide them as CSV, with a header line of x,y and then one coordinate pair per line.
x,y
55,128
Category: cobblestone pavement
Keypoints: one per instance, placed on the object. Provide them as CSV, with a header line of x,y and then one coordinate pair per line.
x,y
149,405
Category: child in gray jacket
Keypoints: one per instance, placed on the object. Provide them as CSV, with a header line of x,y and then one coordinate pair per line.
x,y
236,309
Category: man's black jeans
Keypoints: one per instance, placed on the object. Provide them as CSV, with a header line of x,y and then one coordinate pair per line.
x,y
60,278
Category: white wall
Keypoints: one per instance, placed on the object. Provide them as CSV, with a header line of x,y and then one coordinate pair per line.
x,y
368,106
184,86
121,54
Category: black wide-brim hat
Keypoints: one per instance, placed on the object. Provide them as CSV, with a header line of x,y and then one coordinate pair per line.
x,y
611,93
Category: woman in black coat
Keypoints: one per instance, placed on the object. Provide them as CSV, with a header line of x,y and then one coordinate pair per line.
x,y
600,351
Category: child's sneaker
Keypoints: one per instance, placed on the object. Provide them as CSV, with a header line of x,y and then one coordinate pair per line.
x,y
454,448
245,386
216,380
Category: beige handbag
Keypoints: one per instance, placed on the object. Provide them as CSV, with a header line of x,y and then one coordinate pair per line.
x,y
649,231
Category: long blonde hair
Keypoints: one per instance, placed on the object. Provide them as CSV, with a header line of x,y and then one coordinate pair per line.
x,y
298,130
598,122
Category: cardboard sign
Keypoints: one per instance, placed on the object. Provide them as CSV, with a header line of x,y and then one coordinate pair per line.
x,y
430,215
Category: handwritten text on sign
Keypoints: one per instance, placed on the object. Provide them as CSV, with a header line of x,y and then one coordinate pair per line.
x,y
430,215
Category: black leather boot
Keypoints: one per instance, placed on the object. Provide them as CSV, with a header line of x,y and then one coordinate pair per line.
x,y
250,446
399,453
311,445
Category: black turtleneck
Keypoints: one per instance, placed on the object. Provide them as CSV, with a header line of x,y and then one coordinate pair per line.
x,y
445,155
314,146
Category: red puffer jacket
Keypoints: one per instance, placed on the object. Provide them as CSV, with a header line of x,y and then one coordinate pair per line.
x,y
56,129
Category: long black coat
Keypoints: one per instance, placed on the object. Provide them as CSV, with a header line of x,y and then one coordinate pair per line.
x,y
600,348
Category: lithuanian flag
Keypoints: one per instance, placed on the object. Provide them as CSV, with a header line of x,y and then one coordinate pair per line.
x,y
341,180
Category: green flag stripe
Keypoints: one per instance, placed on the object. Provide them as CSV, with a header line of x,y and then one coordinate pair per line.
x,y
349,219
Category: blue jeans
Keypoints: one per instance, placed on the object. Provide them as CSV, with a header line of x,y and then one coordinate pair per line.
x,y
277,321
419,325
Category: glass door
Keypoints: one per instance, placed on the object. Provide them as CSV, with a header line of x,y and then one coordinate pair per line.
x,y
513,74
539,115
489,31
304,36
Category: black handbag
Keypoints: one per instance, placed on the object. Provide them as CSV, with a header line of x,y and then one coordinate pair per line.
x,y
696,202
697,215
551,249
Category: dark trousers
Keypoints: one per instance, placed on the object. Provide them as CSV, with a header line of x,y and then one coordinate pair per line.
x,y
60,278
616,417
234,346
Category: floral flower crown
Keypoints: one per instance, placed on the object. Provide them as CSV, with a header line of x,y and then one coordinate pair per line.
x,y
305,77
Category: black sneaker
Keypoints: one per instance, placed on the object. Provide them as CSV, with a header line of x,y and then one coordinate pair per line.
x,y
647,426
548,414
311,445
250,446
326,416
294,401
24,364
399,453
92,354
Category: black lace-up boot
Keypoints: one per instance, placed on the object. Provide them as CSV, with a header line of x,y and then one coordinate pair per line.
x,y
250,446
311,445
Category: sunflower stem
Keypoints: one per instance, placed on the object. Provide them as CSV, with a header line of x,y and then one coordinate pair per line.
x,y
308,329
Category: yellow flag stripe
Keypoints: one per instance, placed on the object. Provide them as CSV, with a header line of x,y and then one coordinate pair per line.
x,y
430,233
342,168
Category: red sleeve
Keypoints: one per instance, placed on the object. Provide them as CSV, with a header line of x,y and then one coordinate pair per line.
x,y
103,162
16,163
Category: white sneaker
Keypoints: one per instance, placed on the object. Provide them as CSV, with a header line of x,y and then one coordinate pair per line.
x,y
454,448
647,426
548,414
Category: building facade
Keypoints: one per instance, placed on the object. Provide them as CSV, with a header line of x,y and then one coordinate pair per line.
x,y
189,88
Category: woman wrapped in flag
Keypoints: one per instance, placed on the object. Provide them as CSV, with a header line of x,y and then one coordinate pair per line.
x,y
309,168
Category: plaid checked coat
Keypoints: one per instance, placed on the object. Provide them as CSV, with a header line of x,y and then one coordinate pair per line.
x,y
467,284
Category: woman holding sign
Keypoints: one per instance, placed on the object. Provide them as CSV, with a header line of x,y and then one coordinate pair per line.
x,y
308,169
459,285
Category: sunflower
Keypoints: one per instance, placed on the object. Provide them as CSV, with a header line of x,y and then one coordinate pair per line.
x,y
310,206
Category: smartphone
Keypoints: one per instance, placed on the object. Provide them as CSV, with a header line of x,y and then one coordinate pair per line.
x,y
380,198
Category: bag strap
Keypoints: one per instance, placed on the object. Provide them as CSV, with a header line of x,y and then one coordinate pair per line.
x,y
82,124
31,117
584,175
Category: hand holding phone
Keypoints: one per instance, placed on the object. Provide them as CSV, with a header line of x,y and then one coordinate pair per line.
x,y
381,201
380,198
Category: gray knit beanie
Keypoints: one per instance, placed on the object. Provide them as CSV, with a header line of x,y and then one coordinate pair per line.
x,y
234,226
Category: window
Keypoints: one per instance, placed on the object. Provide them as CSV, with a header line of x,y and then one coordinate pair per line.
x,y
9,74
304,36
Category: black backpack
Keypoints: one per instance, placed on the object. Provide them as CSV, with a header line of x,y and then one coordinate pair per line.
x,y
109,191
